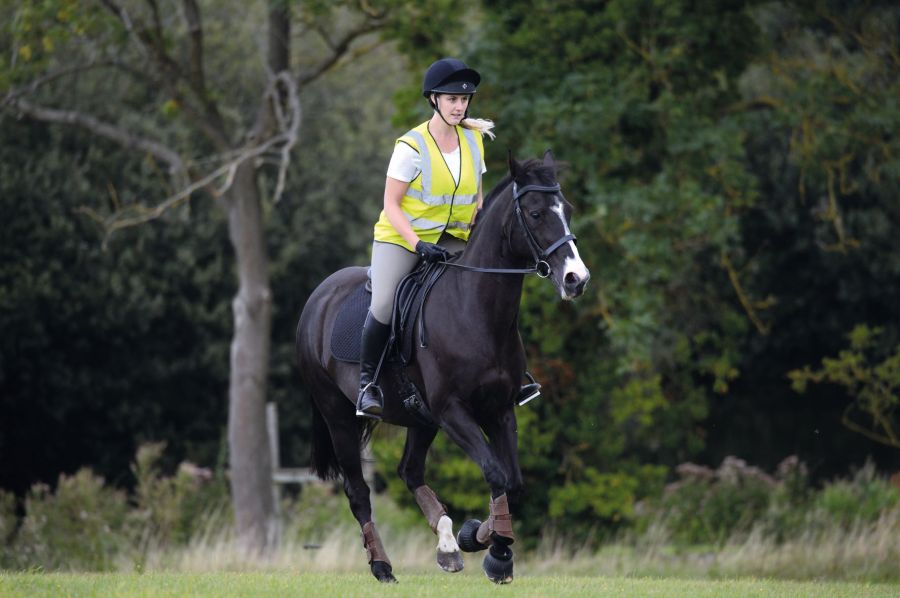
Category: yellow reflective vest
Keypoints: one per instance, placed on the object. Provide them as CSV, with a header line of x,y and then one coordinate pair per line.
x,y
434,202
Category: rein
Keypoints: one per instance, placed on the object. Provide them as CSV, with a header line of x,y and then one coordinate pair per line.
x,y
541,266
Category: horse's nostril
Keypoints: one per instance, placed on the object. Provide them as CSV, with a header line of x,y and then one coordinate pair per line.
x,y
571,278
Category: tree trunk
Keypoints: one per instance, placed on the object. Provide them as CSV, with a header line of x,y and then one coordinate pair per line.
x,y
251,467
252,492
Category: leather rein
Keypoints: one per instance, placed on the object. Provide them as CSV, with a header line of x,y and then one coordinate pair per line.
x,y
541,266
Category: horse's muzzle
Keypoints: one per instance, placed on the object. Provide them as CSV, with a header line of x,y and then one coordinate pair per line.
x,y
573,284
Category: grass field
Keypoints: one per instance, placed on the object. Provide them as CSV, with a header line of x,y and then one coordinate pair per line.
x,y
468,583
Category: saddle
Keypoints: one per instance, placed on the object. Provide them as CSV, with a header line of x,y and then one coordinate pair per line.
x,y
409,302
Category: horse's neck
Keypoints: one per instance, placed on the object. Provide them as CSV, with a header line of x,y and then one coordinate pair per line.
x,y
497,295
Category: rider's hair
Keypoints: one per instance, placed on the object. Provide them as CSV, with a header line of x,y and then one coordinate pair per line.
x,y
482,125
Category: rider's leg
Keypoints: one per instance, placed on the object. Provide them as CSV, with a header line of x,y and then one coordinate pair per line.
x,y
369,403
390,263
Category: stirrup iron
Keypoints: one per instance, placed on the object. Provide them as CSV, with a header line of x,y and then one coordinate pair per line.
x,y
529,391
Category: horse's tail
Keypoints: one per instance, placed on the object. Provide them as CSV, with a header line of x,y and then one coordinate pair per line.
x,y
324,460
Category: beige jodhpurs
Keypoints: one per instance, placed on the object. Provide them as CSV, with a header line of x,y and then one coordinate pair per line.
x,y
390,263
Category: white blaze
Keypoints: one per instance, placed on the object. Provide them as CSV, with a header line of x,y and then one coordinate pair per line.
x,y
572,265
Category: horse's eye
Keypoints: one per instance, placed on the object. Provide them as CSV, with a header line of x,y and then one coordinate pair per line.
x,y
535,214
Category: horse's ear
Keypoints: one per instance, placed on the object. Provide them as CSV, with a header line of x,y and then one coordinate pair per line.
x,y
548,158
513,165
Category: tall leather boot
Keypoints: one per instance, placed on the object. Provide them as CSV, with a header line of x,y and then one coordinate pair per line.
x,y
370,401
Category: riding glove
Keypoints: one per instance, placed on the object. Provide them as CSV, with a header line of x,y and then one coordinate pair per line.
x,y
431,252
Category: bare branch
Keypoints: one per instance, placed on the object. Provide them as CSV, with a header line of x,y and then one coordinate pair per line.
x,y
282,143
339,49
50,77
157,23
106,130
291,129
749,306
367,8
151,45
278,38
195,30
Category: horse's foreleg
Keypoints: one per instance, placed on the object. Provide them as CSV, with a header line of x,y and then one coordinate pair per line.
x,y
495,533
412,471
503,435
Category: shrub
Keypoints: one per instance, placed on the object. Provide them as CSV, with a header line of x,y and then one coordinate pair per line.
x,y
80,527
7,527
864,498
169,510
708,506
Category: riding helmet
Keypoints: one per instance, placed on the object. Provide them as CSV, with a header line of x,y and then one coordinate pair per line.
x,y
449,75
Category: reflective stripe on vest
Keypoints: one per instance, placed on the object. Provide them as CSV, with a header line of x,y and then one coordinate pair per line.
x,y
434,202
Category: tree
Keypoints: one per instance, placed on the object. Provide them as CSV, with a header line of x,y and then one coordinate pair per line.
x,y
874,388
174,109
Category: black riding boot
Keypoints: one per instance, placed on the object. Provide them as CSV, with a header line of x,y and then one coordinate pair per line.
x,y
370,402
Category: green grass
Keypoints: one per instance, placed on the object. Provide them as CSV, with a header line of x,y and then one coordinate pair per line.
x,y
468,583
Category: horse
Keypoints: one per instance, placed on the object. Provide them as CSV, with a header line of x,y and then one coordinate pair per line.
x,y
468,374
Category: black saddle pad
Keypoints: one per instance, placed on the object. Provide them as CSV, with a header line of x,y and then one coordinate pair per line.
x,y
346,336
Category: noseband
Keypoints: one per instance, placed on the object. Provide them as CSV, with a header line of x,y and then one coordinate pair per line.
x,y
541,266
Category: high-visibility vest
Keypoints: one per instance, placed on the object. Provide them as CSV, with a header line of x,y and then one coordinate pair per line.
x,y
434,202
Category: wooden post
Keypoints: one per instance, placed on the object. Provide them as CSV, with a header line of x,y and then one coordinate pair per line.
x,y
274,452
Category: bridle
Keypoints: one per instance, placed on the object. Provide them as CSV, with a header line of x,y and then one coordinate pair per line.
x,y
541,265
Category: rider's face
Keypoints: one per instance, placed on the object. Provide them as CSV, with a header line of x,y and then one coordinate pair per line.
x,y
452,107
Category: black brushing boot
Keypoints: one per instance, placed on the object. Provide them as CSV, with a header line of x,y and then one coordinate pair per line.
x,y
370,401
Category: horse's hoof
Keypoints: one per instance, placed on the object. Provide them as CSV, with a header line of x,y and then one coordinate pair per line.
x,y
382,572
466,537
498,564
451,562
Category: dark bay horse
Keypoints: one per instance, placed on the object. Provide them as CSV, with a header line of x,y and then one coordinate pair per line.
x,y
468,375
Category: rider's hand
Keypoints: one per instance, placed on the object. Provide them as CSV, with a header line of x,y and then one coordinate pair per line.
x,y
432,253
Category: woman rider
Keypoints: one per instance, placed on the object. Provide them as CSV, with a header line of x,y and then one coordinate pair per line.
x,y
431,195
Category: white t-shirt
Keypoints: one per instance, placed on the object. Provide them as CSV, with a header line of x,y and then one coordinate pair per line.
x,y
406,163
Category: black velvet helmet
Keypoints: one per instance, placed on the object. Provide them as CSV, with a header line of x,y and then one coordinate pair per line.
x,y
449,75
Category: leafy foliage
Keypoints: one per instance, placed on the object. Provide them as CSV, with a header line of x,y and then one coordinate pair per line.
x,y
874,388
77,527
734,168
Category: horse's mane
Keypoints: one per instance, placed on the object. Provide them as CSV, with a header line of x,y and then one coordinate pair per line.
x,y
545,175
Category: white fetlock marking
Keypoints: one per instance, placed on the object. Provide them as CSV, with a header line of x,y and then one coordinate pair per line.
x,y
446,541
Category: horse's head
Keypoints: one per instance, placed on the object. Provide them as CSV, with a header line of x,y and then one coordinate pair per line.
x,y
539,227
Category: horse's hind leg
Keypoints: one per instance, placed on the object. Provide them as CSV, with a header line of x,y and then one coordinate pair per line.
x,y
345,437
412,471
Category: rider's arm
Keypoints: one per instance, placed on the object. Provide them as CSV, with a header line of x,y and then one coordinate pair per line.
x,y
394,191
